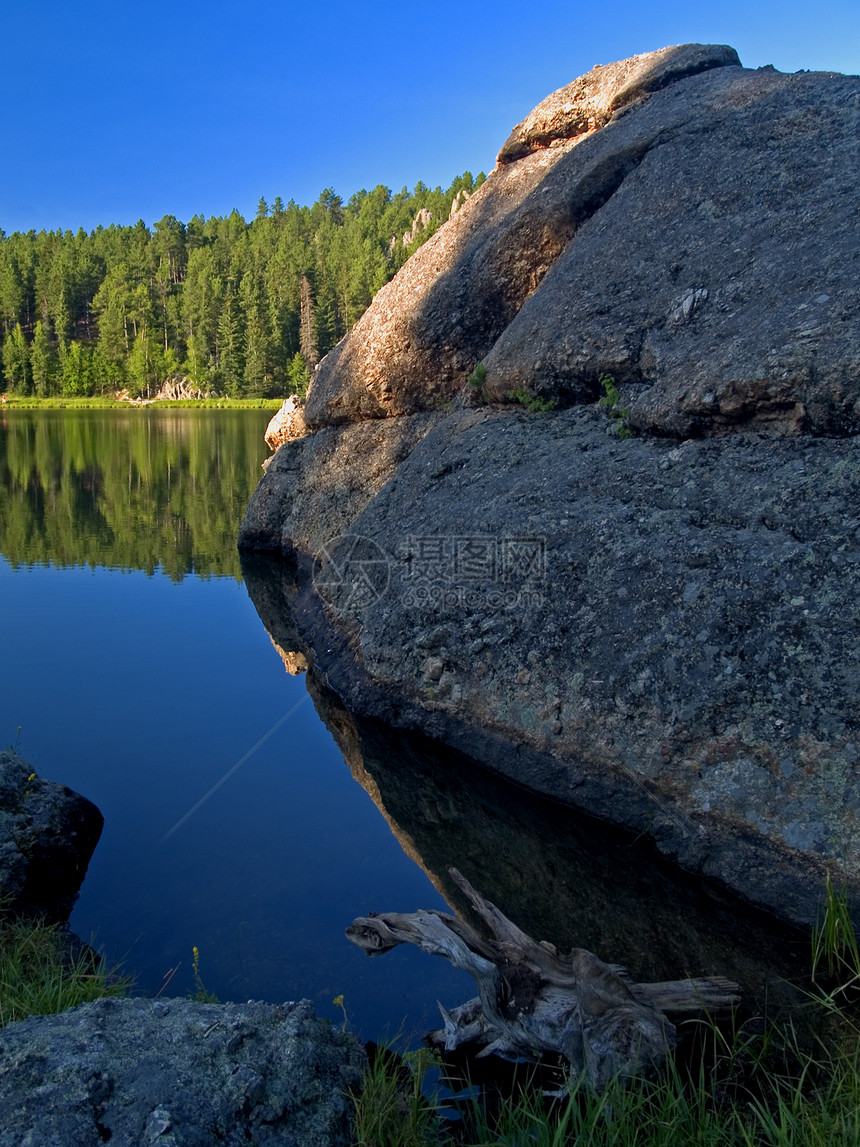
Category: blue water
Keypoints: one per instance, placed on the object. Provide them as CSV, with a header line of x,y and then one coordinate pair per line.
x,y
141,693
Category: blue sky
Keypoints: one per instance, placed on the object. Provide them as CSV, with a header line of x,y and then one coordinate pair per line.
x,y
114,112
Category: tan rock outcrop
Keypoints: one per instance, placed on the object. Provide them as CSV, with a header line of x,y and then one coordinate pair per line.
x,y
287,423
442,313
420,223
591,100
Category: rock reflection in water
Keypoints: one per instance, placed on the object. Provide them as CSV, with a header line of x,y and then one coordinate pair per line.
x,y
560,875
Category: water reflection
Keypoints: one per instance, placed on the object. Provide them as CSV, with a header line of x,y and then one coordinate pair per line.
x,y
131,489
560,875
141,692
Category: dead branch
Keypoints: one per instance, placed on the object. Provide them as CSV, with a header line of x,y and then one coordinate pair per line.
x,y
533,1001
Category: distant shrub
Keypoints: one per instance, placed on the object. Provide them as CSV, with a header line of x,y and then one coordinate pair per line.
x,y
531,401
610,400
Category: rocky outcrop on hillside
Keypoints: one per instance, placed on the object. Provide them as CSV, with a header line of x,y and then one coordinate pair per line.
x,y
660,629
178,1073
47,836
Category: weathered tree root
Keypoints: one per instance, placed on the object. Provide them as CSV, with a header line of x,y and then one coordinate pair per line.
x,y
533,1002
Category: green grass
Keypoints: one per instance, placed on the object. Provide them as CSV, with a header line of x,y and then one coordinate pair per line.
x,y
761,1086
531,402
835,952
610,401
38,977
392,1110
104,403
745,1099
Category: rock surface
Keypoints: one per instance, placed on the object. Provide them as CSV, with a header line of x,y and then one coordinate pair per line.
x,y
176,1072
720,279
663,629
47,836
592,100
286,423
675,220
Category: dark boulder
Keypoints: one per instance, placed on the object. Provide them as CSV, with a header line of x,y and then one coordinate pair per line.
x,y
177,1073
47,836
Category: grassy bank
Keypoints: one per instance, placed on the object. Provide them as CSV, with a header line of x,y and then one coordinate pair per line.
x,y
41,973
30,403
760,1085
761,1092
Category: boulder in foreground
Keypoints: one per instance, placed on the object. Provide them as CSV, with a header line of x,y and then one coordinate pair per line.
x,y
177,1073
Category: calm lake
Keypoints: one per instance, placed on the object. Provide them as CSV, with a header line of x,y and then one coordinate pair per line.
x,y
137,671
139,674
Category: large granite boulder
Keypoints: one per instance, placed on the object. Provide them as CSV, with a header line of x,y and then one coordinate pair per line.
x,y
660,629
47,836
721,278
177,1073
675,220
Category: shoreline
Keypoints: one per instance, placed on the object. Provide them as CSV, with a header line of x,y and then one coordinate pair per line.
x,y
107,403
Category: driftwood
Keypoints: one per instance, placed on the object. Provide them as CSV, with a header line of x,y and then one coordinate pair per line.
x,y
533,1002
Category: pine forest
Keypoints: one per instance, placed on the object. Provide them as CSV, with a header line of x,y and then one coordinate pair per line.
x,y
218,306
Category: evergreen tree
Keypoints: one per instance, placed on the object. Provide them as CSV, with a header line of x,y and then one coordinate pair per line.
x,y
255,374
11,286
229,352
112,305
233,302
195,364
16,362
42,362
74,370
307,326
298,375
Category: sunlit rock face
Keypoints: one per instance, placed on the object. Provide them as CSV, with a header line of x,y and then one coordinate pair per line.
x,y
675,220
659,629
286,423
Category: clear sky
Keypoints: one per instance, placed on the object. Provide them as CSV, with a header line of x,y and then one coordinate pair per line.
x,y
114,112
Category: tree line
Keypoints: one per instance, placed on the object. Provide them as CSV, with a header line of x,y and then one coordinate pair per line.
x,y
234,308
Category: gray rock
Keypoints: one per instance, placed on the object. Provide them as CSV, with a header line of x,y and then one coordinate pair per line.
x,y
661,630
47,836
176,1072
663,634
674,220
720,276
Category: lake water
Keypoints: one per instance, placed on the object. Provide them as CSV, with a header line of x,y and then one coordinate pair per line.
x,y
141,675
